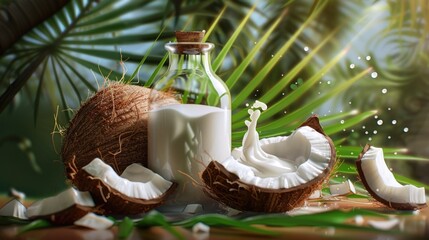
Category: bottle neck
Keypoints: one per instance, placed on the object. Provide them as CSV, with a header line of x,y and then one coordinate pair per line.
x,y
188,56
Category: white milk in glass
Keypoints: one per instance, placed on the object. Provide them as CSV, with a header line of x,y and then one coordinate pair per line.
x,y
183,139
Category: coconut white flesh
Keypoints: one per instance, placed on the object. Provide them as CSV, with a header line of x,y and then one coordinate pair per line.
x,y
62,201
343,188
14,208
136,181
94,221
279,162
382,181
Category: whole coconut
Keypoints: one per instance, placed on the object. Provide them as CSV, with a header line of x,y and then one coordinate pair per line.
x,y
111,125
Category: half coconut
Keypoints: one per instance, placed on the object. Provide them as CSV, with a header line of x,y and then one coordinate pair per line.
x,y
135,191
274,174
380,182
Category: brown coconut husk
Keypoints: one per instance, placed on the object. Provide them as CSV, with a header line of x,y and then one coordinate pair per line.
x,y
111,125
228,189
390,204
111,201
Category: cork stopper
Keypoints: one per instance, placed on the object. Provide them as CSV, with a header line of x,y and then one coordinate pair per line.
x,y
192,36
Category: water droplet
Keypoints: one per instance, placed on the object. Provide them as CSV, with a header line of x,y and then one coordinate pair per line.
x,y
282,74
350,103
388,109
329,82
395,153
380,122
352,66
285,112
394,122
352,130
344,129
406,129
391,169
247,104
342,121
318,93
283,93
374,74
389,137
366,132
378,190
375,132
384,90
370,139
306,48
376,116
272,55
368,58
255,43
359,58
363,127
352,153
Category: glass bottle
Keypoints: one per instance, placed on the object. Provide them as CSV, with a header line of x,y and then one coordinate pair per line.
x,y
186,134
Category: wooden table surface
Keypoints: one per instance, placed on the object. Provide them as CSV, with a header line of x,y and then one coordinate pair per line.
x,y
411,226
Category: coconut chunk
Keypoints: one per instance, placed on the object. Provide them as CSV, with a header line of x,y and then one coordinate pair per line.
x,y
63,208
14,208
136,181
94,221
137,190
344,188
382,185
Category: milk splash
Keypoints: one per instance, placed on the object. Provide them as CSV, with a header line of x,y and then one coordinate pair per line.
x,y
253,154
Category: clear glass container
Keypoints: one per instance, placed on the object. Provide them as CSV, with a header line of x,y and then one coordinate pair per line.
x,y
186,134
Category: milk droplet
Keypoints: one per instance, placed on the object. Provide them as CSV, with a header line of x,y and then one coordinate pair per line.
x,y
359,57
406,129
329,82
384,90
272,55
394,122
306,48
350,103
376,116
342,121
352,130
370,139
378,190
388,109
283,93
395,153
363,127
375,132
374,74
366,132
368,58
380,122
389,137
247,104
352,66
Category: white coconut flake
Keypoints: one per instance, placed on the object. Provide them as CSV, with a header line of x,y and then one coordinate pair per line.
x,y
14,208
136,181
384,225
62,201
94,221
382,181
344,188
279,162
200,228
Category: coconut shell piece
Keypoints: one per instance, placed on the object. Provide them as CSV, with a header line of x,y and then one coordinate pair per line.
x,y
228,189
111,125
395,205
67,216
110,201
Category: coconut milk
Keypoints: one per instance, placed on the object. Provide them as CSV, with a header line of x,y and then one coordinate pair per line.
x,y
183,139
